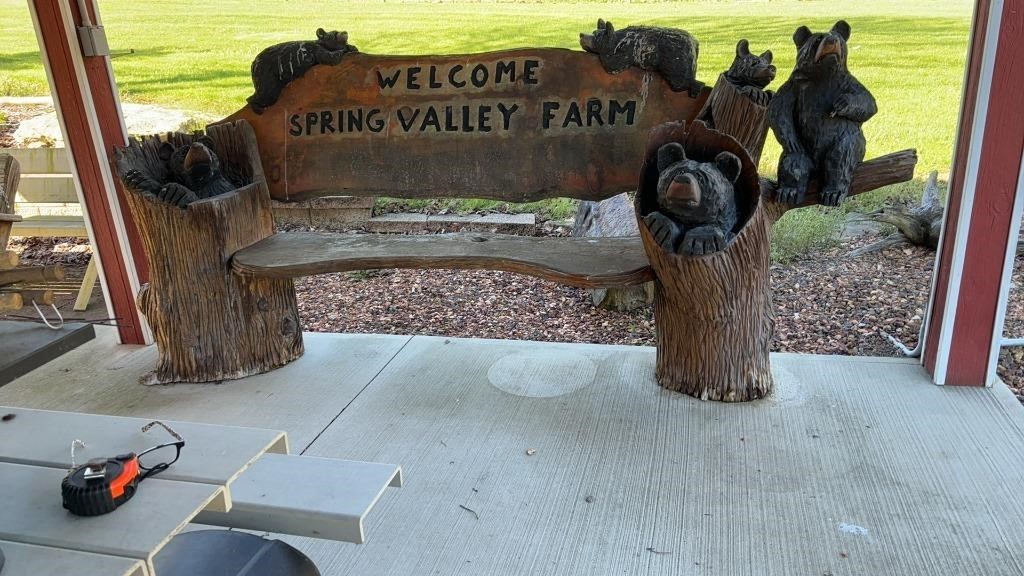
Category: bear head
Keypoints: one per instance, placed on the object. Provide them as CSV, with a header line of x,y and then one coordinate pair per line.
x,y
599,41
333,40
696,190
750,69
821,53
192,165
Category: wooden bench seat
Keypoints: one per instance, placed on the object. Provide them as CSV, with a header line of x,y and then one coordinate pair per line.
x,y
581,262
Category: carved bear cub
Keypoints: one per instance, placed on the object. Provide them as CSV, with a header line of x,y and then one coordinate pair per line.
x,y
669,51
193,170
279,64
750,73
817,115
696,202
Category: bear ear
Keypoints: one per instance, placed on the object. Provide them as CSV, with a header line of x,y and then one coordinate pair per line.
x,y
165,151
801,35
321,33
729,164
669,154
767,56
842,29
608,28
600,24
742,48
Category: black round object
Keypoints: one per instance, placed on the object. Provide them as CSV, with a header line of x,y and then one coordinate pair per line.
x,y
93,497
230,553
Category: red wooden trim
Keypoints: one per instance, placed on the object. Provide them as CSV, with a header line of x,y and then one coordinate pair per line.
x,y
89,167
1002,149
100,80
956,183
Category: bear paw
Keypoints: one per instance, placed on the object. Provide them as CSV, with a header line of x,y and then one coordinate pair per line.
x,y
788,195
831,196
136,180
703,240
177,195
664,230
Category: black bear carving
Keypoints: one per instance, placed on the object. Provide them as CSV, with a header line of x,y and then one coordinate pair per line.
x,y
193,172
817,115
668,51
751,73
279,64
696,202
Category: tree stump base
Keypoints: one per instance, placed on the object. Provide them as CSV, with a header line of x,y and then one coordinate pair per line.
x,y
210,324
713,314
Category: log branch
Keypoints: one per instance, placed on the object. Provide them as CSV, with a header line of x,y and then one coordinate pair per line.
x,y
36,274
875,173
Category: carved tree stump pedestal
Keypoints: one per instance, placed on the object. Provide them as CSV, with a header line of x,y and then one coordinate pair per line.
x,y
713,314
210,324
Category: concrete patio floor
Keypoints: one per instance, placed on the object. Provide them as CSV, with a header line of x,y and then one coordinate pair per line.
x,y
856,466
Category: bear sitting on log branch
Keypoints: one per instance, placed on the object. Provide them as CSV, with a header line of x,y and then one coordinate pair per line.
x,y
817,115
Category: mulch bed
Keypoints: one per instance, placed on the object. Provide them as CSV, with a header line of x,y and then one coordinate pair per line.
x,y
826,303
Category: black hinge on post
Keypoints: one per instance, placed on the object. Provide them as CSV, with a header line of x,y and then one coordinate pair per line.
x,y
93,40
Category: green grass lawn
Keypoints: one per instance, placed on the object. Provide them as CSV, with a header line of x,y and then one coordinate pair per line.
x,y
196,55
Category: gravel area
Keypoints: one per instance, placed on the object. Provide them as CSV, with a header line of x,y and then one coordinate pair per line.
x,y
825,304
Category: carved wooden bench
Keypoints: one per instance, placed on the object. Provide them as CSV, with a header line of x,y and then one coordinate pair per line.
x,y
406,127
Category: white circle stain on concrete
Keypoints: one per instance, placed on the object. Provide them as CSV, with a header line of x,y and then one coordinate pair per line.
x,y
542,374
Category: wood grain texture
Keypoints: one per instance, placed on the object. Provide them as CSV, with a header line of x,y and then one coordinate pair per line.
x,y
735,114
33,274
892,168
8,259
39,296
209,324
713,314
582,262
522,162
10,175
10,301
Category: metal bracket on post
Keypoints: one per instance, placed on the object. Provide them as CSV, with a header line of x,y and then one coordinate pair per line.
x,y
93,40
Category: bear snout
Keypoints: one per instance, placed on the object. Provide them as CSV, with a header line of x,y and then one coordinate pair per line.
x,y
587,42
829,45
197,154
684,190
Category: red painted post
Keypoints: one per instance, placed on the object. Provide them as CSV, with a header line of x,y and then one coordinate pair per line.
x,y
100,77
972,78
59,45
962,330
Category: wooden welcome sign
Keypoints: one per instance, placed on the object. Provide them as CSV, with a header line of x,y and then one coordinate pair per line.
x,y
517,125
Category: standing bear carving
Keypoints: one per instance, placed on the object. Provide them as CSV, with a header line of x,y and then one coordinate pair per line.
x,y
279,64
817,115
696,202
668,51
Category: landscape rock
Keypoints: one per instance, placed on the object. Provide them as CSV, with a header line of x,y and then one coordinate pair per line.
x,y
43,130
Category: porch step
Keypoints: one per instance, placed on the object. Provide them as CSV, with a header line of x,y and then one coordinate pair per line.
x,y
306,496
47,226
